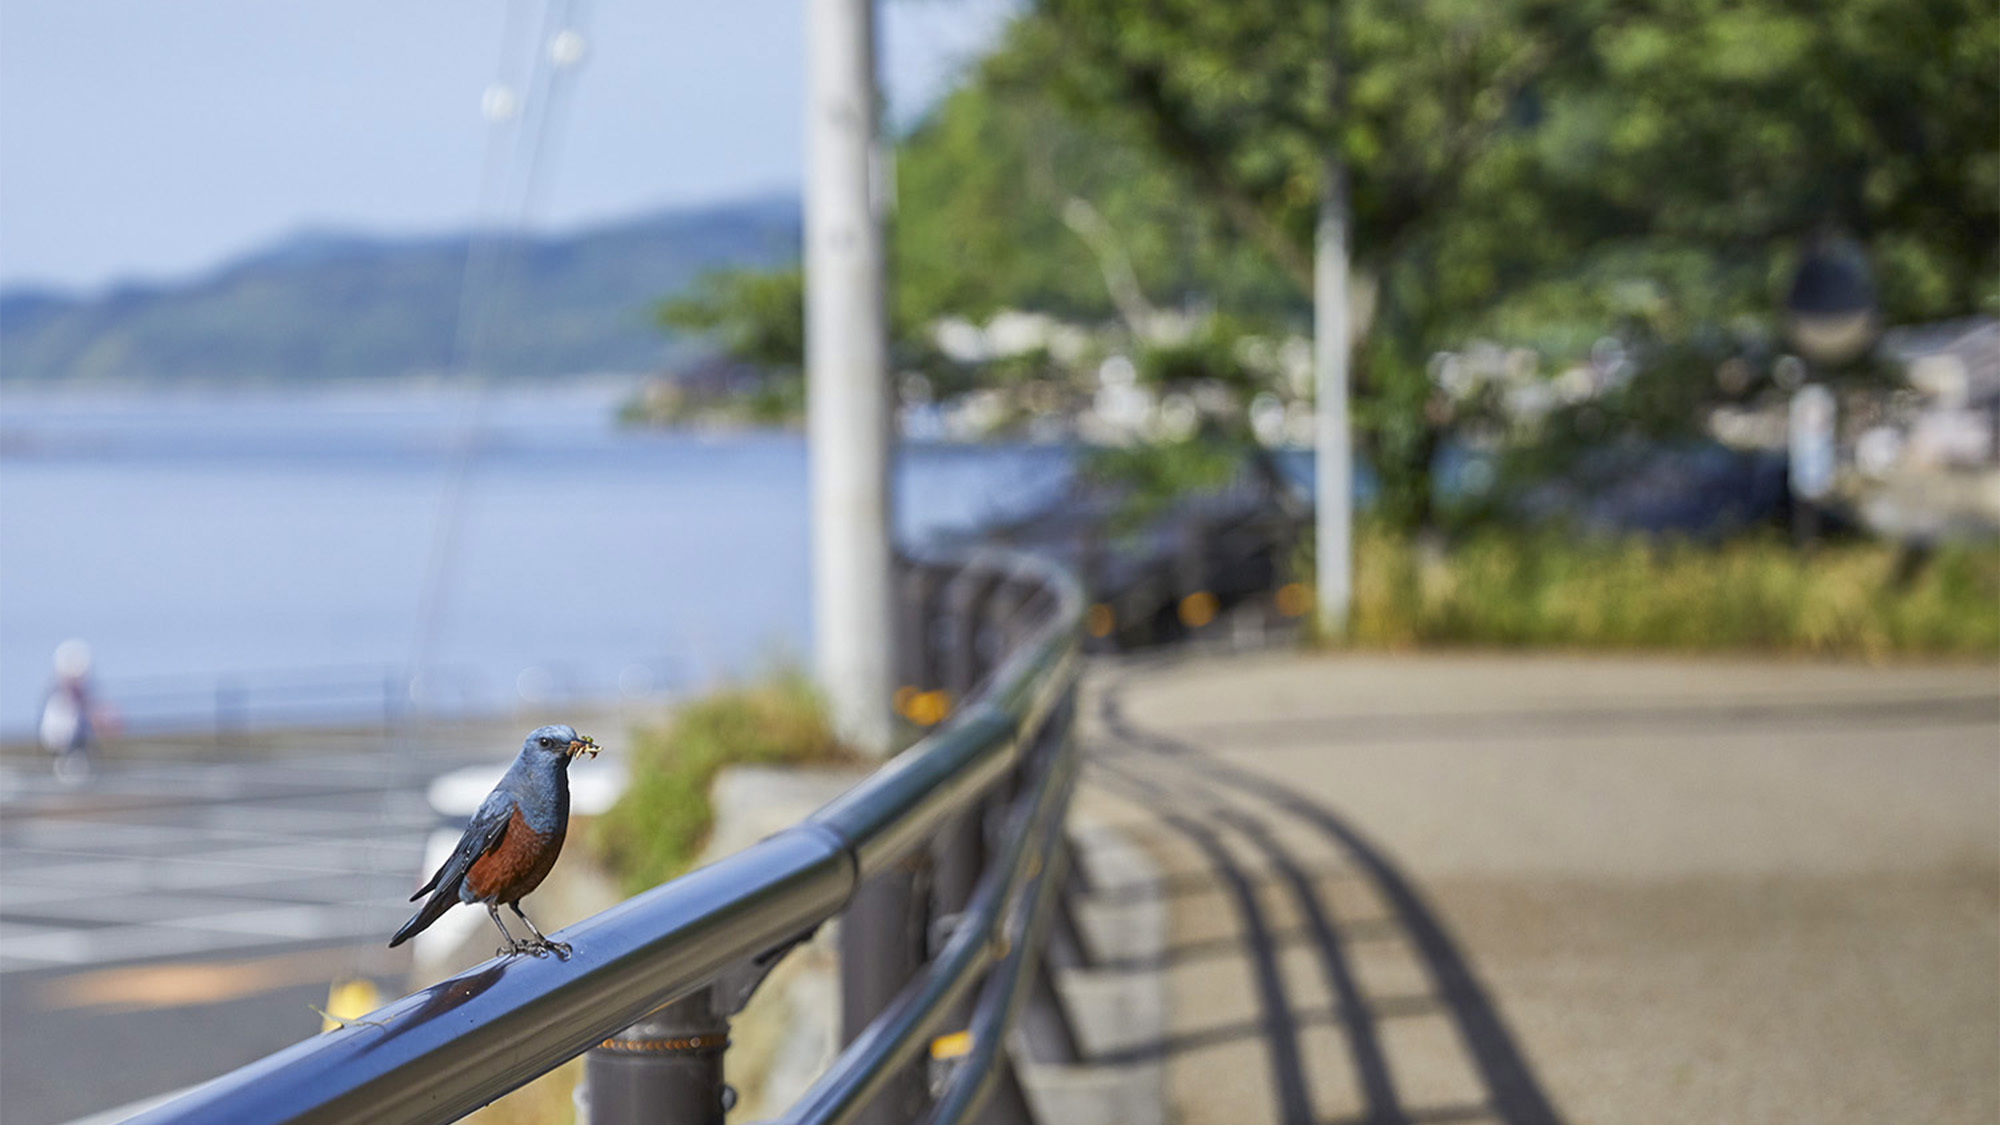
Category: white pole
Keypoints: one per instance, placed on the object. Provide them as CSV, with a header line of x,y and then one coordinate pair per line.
x,y
1333,466
847,385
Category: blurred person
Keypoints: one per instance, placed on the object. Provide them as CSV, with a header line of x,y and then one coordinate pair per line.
x,y
71,714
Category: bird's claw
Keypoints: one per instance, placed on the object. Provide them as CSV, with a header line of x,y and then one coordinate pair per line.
x,y
545,947
535,949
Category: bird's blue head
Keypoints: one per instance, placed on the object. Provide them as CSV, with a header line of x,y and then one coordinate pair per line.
x,y
559,742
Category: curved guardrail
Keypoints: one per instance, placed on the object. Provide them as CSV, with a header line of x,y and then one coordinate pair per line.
x,y
652,981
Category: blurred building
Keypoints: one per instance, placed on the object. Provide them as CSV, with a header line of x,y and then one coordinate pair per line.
x,y
1927,464
1955,368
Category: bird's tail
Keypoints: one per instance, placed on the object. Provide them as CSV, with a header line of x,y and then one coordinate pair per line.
x,y
425,915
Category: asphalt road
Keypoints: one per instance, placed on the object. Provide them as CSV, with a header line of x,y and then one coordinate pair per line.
x,y
1519,888
175,919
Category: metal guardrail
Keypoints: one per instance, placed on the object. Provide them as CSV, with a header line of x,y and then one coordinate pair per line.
x,y
233,704
953,844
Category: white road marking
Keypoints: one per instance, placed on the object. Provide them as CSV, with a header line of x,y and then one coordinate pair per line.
x,y
185,859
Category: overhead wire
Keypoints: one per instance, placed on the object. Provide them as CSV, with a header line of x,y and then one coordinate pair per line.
x,y
523,107
513,182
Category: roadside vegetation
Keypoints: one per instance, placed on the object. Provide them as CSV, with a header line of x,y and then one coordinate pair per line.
x,y
659,825
1510,587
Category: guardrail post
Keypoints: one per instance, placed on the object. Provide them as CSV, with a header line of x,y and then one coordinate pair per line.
x,y
960,860
1192,572
1006,611
1079,878
1009,1103
1068,948
917,584
964,599
1045,1019
882,946
1090,561
666,1067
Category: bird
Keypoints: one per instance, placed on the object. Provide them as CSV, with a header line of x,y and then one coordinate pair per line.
x,y
511,842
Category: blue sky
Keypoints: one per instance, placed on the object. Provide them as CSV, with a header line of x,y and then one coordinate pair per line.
x,y
142,139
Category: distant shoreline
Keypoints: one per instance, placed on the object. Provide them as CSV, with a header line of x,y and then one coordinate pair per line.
x,y
317,307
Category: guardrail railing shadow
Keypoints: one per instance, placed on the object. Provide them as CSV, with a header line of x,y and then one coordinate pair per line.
x,y
942,866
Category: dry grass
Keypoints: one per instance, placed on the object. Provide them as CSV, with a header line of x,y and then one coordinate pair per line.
x,y
1510,588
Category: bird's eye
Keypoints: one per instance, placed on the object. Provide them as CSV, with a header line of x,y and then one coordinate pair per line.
x,y
548,742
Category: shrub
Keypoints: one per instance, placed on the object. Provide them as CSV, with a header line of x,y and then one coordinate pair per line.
x,y
658,826
1516,588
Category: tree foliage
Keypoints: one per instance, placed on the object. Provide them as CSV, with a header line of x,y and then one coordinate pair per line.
x,y
1517,164
1542,172
1007,199
1496,139
755,316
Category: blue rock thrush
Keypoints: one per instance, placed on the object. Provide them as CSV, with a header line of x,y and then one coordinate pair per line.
x,y
511,842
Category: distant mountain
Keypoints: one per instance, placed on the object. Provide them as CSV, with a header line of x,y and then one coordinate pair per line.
x,y
325,305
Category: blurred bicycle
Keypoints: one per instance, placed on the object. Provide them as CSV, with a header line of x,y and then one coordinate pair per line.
x,y
71,715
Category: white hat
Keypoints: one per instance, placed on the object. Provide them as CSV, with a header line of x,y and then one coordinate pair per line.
x,y
73,658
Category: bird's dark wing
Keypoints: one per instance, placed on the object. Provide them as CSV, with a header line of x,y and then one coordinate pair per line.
x,y
482,835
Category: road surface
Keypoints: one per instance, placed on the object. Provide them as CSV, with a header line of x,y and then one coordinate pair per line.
x,y
1562,888
177,919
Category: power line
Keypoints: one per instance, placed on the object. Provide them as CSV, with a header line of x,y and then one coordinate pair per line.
x,y
521,127
522,109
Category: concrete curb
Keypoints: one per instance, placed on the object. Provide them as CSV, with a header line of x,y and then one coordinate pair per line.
x,y
1114,1010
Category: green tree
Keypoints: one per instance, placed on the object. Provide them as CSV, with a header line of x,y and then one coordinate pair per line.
x,y
755,316
1007,200
1502,150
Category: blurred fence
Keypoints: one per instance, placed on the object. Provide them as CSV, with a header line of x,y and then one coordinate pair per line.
x,y
1176,574
232,703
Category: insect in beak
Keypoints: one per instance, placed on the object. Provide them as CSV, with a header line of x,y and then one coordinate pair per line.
x,y
584,744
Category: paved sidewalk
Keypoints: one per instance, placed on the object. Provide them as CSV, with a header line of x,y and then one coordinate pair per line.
x,y
1590,889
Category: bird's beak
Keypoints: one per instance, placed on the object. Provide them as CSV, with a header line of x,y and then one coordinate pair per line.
x,y
583,744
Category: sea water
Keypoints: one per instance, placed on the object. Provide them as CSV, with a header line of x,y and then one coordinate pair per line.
x,y
202,540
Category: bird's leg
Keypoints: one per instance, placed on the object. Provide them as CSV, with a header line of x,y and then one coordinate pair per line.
x,y
512,946
560,949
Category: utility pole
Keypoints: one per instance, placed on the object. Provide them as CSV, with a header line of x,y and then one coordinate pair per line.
x,y
1334,461
847,377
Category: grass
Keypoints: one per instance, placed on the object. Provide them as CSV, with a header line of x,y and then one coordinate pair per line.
x,y
1513,588
659,825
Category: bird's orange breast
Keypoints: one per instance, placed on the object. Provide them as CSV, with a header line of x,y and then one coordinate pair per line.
x,y
516,865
